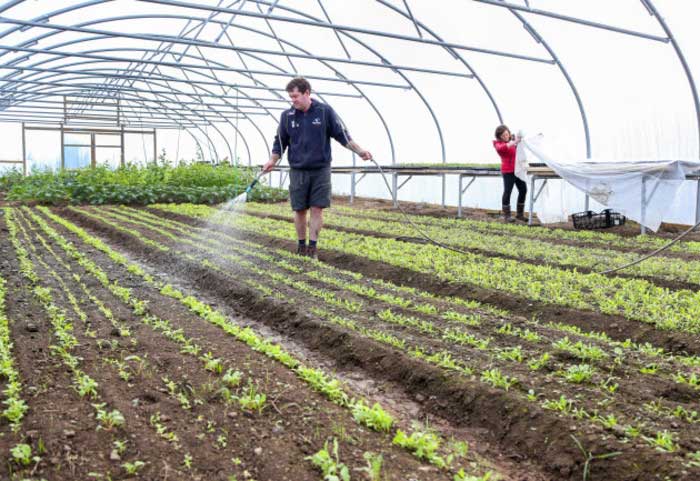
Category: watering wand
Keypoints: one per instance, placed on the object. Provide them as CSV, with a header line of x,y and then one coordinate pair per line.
x,y
243,197
254,183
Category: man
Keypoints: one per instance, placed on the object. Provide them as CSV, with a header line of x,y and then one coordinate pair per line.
x,y
306,129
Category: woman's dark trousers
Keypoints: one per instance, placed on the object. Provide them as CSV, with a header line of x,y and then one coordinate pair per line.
x,y
510,180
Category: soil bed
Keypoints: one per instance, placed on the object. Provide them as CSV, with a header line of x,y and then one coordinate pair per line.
x,y
512,426
267,445
659,281
617,327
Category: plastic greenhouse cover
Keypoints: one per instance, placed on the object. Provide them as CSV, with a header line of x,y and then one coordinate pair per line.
x,y
620,186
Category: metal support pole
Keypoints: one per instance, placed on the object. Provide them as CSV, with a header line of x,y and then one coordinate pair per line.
x,y
352,174
122,160
352,186
462,191
155,146
532,199
24,151
536,196
587,203
644,204
93,152
459,198
395,188
444,188
63,148
697,202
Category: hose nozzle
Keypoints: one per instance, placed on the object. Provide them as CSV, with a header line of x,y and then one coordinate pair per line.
x,y
250,187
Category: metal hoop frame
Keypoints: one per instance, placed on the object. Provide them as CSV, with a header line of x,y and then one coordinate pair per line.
x,y
171,82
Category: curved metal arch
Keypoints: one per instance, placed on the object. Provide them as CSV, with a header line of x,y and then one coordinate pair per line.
x,y
42,94
582,111
205,132
94,2
363,44
223,136
184,93
413,87
163,111
452,52
331,67
679,52
647,3
398,72
48,76
244,94
651,9
359,90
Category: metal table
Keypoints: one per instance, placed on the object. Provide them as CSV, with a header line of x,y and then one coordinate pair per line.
x,y
396,172
647,192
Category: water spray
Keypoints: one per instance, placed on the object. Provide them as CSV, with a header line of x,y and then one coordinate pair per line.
x,y
242,198
239,201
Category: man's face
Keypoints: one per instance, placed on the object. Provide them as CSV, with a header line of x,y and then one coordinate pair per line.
x,y
300,101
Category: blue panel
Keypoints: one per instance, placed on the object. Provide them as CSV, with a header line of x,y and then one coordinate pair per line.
x,y
77,157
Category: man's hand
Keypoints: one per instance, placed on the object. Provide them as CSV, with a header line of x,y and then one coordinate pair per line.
x,y
269,165
365,155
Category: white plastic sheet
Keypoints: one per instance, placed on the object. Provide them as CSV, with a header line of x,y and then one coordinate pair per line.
x,y
642,190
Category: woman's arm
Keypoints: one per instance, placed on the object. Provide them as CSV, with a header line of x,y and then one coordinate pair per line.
x,y
504,147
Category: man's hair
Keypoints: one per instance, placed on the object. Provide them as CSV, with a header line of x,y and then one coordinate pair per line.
x,y
499,131
299,83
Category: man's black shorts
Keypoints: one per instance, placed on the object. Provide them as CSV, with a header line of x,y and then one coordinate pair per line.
x,y
310,188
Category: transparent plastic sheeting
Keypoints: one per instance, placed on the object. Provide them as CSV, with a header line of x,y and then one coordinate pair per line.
x,y
641,190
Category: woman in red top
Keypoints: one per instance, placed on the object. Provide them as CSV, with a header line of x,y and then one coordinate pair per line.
x,y
505,145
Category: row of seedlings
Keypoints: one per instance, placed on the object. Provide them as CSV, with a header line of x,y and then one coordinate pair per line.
x,y
632,298
577,374
423,444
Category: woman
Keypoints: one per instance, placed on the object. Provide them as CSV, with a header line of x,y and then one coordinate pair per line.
x,y
505,145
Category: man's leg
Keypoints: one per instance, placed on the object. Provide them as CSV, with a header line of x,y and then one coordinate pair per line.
x,y
299,198
300,225
320,198
316,223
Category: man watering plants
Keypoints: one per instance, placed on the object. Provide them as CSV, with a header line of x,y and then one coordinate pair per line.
x,y
306,129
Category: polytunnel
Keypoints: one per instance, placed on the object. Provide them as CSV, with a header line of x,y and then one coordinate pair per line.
x,y
415,81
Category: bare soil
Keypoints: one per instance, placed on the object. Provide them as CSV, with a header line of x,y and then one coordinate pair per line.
x,y
221,438
521,430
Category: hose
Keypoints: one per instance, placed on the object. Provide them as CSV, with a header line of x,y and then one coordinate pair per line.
x,y
657,251
430,240
455,249
413,224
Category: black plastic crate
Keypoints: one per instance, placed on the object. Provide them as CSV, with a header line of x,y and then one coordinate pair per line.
x,y
591,220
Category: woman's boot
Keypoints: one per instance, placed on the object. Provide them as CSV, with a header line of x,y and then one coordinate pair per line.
x,y
506,213
520,214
